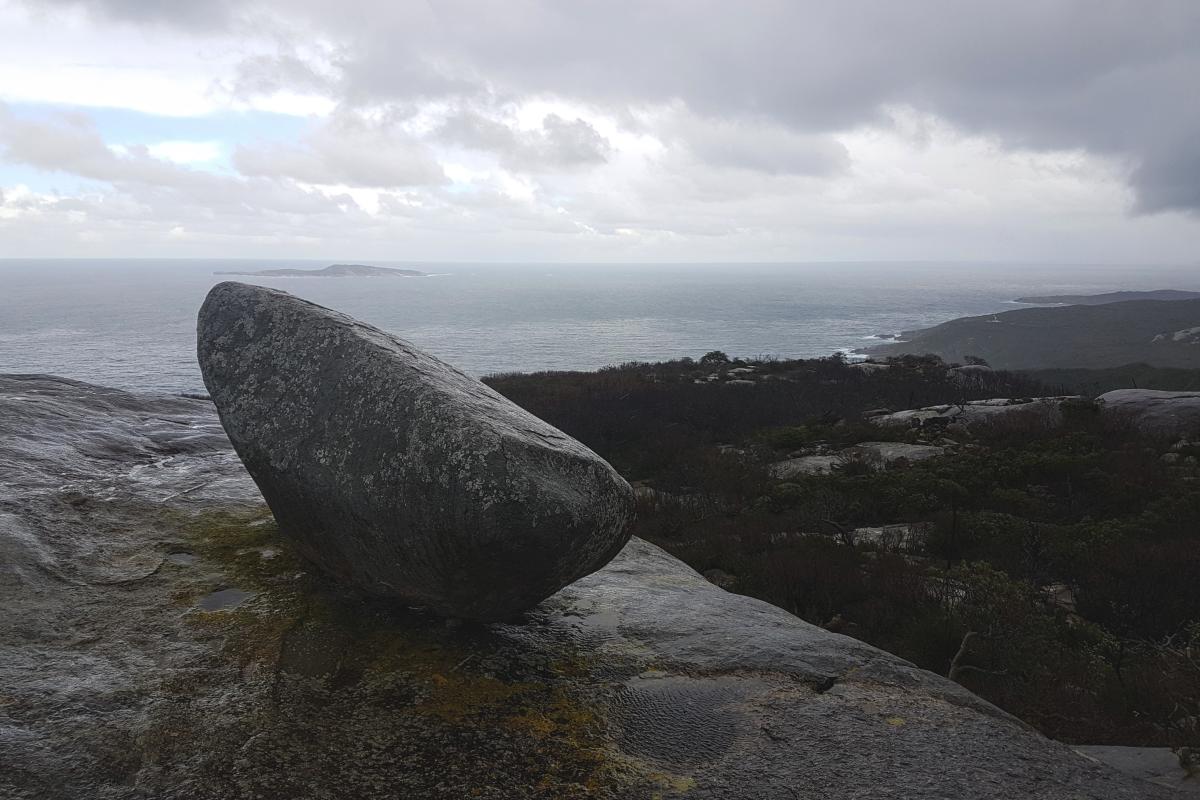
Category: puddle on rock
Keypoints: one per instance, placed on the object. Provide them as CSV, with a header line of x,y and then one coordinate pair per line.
x,y
223,599
182,559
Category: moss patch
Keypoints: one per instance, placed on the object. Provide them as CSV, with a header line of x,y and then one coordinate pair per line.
x,y
386,668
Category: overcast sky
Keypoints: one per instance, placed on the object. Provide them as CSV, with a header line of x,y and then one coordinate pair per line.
x,y
581,130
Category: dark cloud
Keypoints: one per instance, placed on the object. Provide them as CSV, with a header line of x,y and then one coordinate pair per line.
x,y
757,145
1116,77
201,15
1169,180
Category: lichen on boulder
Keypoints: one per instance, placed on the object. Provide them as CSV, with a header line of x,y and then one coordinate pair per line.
x,y
396,472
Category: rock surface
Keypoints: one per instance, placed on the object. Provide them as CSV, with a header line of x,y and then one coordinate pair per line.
x,y
1175,413
1048,409
876,454
395,471
1155,764
121,516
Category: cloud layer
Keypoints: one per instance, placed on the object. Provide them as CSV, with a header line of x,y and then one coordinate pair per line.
x,y
930,128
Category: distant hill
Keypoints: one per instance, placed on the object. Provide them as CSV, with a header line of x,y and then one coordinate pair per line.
x,y
1110,297
1161,334
333,271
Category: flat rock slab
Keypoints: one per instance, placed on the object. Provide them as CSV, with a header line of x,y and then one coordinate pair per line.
x,y
396,472
641,680
1173,413
1156,764
974,411
876,454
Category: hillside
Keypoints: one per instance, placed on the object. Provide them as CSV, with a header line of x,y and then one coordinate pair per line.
x,y
1094,382
1161,334
1108,297
1044,556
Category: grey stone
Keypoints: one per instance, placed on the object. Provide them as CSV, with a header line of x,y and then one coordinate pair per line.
x,y
877,454
1155,764
640,680
1046,409
395,471
1169,413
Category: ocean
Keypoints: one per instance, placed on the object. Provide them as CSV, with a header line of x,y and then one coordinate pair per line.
x,y
131,323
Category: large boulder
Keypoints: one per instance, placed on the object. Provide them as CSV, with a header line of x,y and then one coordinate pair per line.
x,y
160,639
1171,413
396,472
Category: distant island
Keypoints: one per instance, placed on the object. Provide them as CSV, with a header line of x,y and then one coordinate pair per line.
x,y
1101,335
334,271
1110,297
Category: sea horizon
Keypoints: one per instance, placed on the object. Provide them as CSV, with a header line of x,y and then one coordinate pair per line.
x,y
129,323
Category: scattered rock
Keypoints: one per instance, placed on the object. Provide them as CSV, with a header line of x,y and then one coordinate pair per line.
x,y
968,371
900,537
804,465
875,454
397,472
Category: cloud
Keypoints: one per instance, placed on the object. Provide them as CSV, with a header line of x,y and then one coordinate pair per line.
x,y
779,128
756,145
210,15
165,191
1114,77
348,150
1169,179
186,152
558,143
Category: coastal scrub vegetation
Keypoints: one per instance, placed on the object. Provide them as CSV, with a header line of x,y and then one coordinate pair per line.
x,y
1049,565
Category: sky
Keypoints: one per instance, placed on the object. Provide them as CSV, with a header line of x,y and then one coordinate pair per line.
x,y
621,130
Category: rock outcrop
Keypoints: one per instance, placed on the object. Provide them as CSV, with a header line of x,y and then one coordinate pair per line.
x,y
1168,413
162,639
395,471
878,455
1047,409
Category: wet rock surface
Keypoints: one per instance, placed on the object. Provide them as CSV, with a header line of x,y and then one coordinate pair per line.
x,y
397,472
120,513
